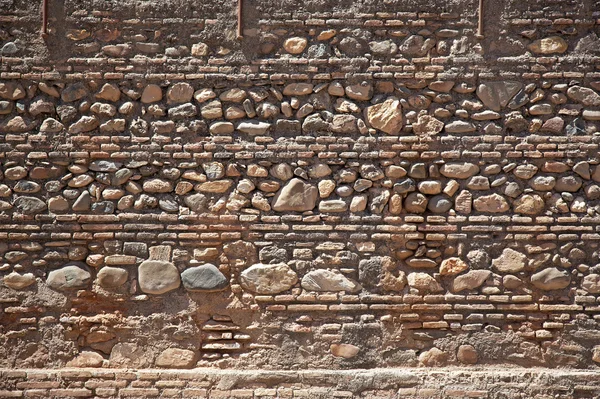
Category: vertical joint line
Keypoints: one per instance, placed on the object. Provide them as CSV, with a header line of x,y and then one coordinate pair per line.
x,y
239,19
44,30
480,23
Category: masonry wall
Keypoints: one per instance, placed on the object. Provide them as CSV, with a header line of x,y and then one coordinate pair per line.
x,y
350,185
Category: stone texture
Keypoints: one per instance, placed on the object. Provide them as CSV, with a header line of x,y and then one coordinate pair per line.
x,y
551,279
386,116
510,261
296,196
70,277
268,279
327,280
158,277
204,278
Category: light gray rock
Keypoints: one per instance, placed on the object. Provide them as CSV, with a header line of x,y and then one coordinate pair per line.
x,y
158,277
70,277
268,279
496,95
296,196
112,277
327,280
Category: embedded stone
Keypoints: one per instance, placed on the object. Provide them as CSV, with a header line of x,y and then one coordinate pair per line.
x,y
470,280
109,92
84,124
526,171
551,279
427,125
298,89
70,277
568,184
105,166
29,205
510,261
459,170
347,351
234,95
74,92
453,266
424,283
268,279
18,281
415,203
51,125
467,354
549,45
216,186
333,206
111,277
459,127
584,95
204,278
295,45
254,128
529,204
493,203
151,94
362,91
158,277
157,186
86,359
440,204
496,95
180,92
327,280
386,116
296,196
590,283
175,358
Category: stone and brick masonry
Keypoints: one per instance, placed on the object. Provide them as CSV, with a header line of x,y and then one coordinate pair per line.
x,y
365,185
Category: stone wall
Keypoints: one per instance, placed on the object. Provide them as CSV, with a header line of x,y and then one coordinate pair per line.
x,y
347,186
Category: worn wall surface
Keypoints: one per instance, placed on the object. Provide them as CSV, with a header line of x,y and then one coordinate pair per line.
x,y
350,185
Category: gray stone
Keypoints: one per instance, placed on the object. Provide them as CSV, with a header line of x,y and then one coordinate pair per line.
x,y
551,279
415,203
112,277
296,196
70,277
459,127
105,166
440,204
204,278
268,279
496,95
30,205
327,280
158,277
